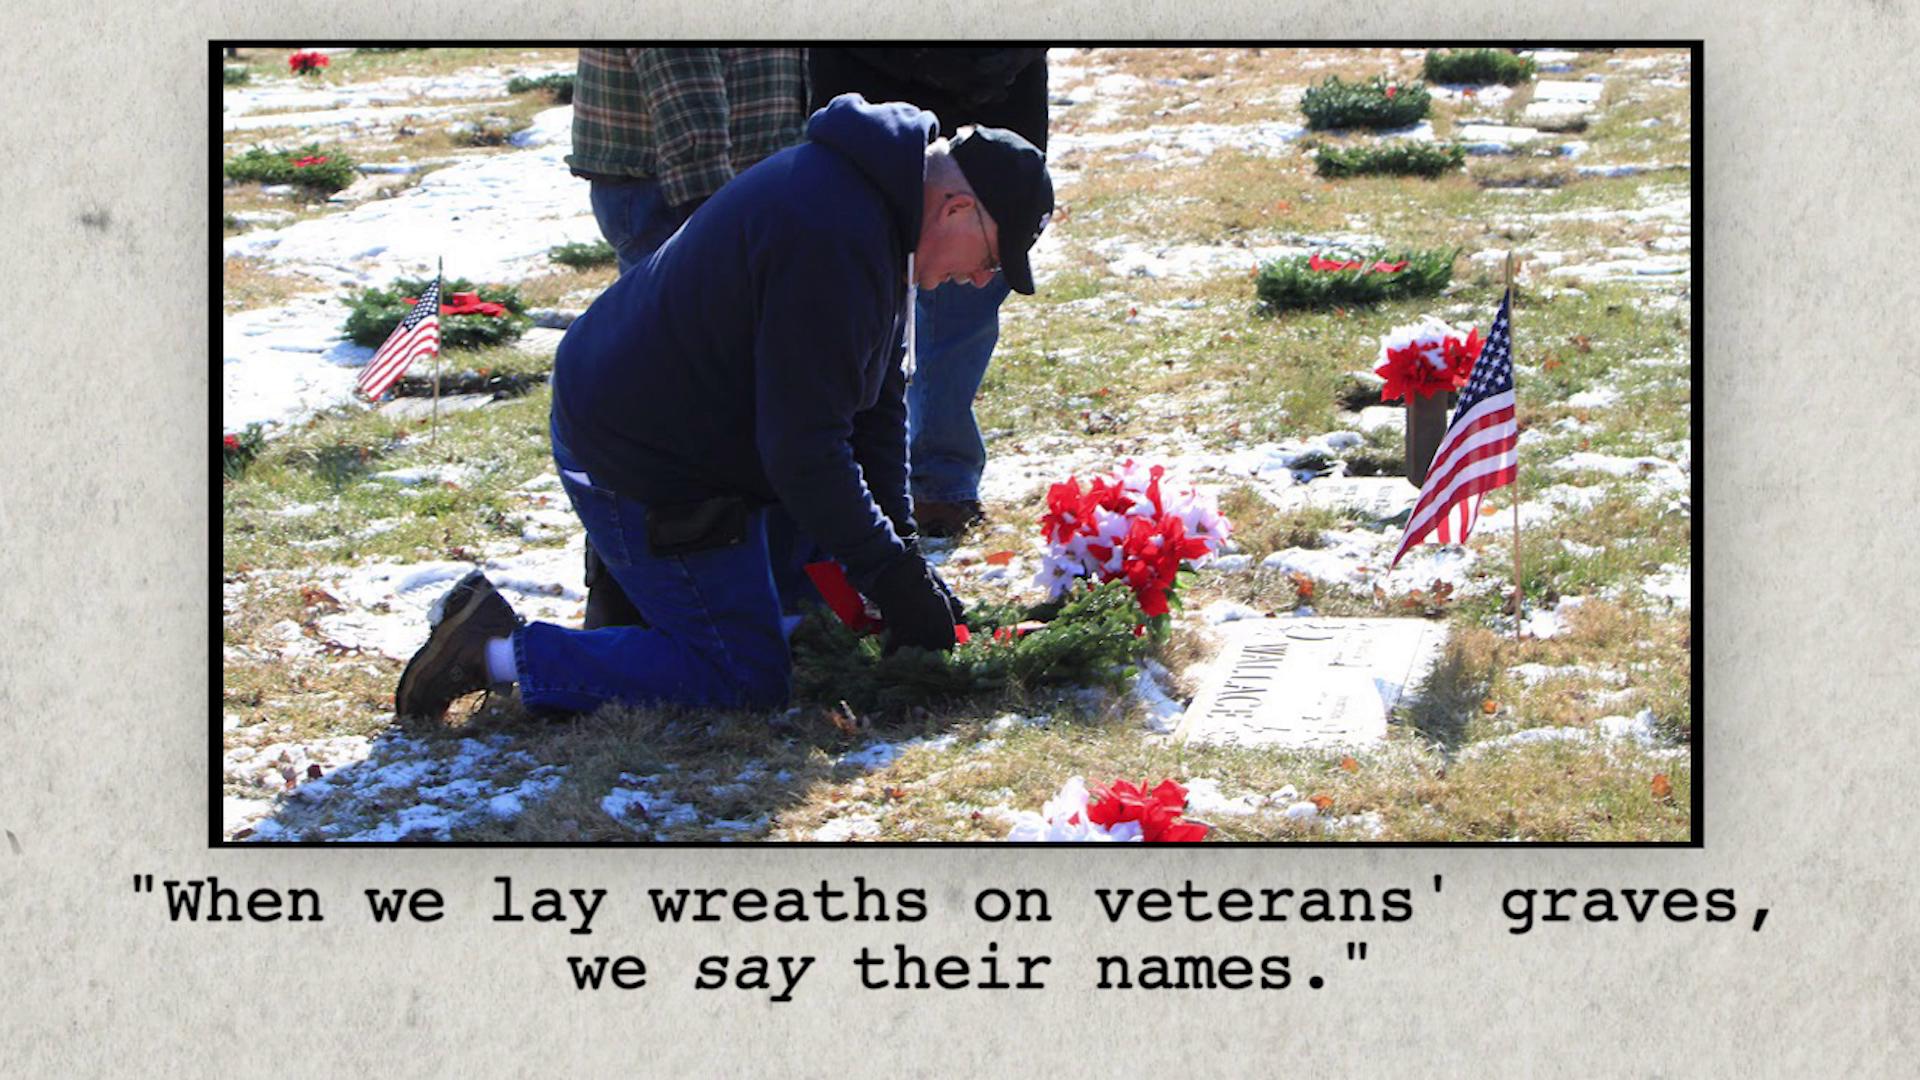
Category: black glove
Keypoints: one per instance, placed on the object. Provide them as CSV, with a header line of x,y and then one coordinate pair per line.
x,y
913,604
954,606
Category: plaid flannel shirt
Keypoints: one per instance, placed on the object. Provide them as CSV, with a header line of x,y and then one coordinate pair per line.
x,y
688,118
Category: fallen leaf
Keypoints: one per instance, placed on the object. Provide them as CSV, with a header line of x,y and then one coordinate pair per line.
x,y
314,596
896,793
1000,558
1349,764
843,719
1662,787
1489,706
1302,584
1321,801
313,772
1582,342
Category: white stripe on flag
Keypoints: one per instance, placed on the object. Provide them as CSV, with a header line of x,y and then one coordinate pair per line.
x,y
397,355
1423,516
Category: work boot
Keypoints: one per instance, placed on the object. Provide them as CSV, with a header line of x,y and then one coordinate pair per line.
x,y
453,662
936,518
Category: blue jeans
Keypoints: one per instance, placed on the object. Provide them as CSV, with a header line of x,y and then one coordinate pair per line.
x,y
715,636
633,216
958,326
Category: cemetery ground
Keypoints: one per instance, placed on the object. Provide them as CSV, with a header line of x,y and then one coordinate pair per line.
x,y
1178,173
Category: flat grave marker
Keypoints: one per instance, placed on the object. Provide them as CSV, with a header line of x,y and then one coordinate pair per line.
x,y
1381,498
1310,683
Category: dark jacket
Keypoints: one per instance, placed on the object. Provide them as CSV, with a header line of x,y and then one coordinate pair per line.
x,y
963,85
758,352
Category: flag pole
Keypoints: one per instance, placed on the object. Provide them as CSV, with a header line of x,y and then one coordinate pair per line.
x,y
1519,590
433,430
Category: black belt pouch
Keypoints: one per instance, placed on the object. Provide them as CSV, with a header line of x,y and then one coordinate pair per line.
x,y
688,528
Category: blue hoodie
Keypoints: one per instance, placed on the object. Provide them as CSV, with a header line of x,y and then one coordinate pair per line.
x,y
758,352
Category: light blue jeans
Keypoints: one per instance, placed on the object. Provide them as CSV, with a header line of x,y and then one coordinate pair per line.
x,y
714,636
633,216
958,326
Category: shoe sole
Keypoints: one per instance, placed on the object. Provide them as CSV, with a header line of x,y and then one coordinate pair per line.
x,y
455,607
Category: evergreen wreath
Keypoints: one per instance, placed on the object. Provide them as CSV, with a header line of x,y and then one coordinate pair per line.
x,y
1375,103
323,171
1477,67
584,256
377,311
1400,157
1311,281
558,85
1091,639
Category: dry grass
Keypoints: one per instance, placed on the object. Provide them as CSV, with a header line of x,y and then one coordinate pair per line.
x,y
248,283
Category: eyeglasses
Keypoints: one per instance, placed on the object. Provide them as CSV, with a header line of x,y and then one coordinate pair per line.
x,y
993,260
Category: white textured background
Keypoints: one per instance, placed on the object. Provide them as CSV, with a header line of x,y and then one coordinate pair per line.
x,y
1811,626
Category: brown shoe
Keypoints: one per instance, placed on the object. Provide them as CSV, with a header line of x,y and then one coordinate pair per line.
x,y
453,662
935,518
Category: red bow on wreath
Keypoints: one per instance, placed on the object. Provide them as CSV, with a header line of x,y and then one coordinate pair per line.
x,y
1315,262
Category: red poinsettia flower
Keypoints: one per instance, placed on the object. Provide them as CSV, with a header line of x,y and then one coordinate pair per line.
x,y
1408,371
231,442
1416,369
1110,497
1460,356
1163,825
1153,488
307,63
1392,90
307,162
1144,565
1065,512
1158,810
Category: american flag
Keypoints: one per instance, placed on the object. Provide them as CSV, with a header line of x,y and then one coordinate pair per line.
x,y
1479,451
417,335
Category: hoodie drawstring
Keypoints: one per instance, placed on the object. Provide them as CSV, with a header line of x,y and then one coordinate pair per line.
x,y
913,305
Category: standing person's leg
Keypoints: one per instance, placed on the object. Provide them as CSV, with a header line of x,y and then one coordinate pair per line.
x,y
633,216
958,328
714,638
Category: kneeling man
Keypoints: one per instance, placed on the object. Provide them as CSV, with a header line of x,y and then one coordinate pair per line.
x,y
734,408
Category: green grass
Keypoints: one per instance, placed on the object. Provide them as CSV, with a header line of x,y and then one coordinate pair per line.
x,y
332,461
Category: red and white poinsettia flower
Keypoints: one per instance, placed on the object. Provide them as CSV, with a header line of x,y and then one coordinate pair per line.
x,y
1135,524
1120,812
1426,358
